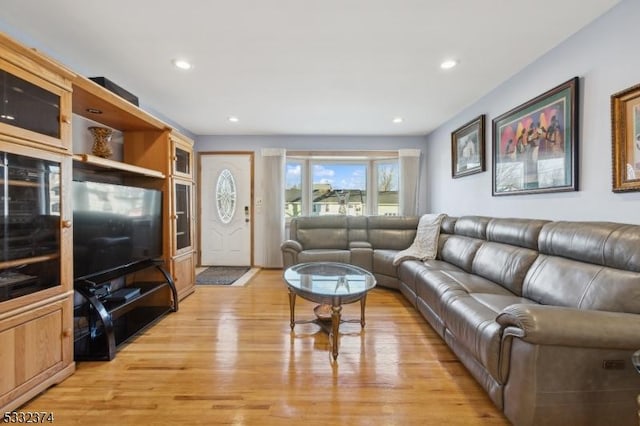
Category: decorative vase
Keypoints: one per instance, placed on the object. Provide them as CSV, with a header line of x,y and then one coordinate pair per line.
x,y
101,141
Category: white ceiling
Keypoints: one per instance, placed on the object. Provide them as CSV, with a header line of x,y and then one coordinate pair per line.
x,y
329,67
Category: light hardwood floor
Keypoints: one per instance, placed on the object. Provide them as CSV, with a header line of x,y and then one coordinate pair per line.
x,y
229,357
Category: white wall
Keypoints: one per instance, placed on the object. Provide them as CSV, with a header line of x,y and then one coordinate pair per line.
x,y
605,57
320,143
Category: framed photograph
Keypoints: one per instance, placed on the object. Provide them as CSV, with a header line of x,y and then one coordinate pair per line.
x,y
625,125
535,145
467,148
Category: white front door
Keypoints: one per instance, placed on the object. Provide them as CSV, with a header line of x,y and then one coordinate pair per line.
x,y
225,209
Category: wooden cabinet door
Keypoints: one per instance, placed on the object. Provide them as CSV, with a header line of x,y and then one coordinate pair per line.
x,y
37,236
182,158
35,109
184,275
34,346
182,217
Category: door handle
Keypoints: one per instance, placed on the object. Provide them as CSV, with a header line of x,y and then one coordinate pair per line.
x,y
246,214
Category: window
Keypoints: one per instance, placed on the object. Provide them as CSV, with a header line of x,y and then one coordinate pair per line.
x,y
339,188
226,196
329,185
293,189
387,177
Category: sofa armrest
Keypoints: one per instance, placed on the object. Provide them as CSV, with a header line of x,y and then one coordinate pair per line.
x,y
290,250
557,325
291,245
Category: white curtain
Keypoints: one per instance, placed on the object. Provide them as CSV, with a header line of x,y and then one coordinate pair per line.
x,y
273,205
409,181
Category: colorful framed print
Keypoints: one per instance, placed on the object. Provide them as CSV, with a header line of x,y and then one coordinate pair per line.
x,y
625,125
467,148
535,145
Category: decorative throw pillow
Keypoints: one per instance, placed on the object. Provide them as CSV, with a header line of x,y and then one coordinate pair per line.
x,y
425,245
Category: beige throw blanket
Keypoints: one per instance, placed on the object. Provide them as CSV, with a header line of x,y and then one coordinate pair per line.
x,y
425,245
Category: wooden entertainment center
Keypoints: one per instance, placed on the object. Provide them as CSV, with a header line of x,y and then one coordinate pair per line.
x,y
36,271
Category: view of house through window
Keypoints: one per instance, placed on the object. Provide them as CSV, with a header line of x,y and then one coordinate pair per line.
x,y
388,200
339,188
293,189
316,187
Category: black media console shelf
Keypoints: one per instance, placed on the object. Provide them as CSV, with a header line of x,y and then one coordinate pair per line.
x,y
112,307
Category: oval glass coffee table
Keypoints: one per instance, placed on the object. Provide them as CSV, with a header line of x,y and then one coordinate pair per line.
x,y
330,284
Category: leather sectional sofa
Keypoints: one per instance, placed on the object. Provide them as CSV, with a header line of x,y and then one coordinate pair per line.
x,y
545,315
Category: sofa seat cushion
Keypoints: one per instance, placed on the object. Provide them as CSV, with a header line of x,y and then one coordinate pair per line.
x,y
498,302
407,272
324,255
440,265
476,284
471,319
436,287
383,262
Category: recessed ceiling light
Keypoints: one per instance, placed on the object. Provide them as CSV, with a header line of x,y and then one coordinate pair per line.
x,y
94,110
234,119
397,120
448,64
182,64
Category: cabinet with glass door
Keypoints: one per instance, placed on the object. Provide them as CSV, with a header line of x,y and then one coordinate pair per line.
x,y
182,260
36,105
36,294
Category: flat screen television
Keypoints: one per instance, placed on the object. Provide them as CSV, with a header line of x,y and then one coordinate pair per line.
x,y
114,226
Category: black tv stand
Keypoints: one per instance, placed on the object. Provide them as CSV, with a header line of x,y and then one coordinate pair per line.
x,y
106,318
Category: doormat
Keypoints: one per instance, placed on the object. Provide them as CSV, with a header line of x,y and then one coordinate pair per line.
x,y
221,275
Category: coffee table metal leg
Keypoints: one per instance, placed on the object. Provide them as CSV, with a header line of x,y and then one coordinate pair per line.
x,y
363,303
335,325
292,309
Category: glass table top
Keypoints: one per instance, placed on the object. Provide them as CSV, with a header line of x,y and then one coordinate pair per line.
x,y
329,279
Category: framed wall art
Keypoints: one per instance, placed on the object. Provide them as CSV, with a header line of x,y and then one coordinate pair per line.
x,y
467,148
535,145
625,126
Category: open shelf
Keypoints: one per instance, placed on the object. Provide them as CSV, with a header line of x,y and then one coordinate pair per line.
x,y
102,324
106,164
92,101
95,347
120,308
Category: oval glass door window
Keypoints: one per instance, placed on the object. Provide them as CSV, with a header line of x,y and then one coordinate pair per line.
x,y
226,196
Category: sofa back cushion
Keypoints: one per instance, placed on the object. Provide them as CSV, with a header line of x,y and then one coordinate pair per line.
x,y
448,225
472,226
610,244
554,280
392,232
504,264
320,232
587,265
509,252
357,228
516,232
460,248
